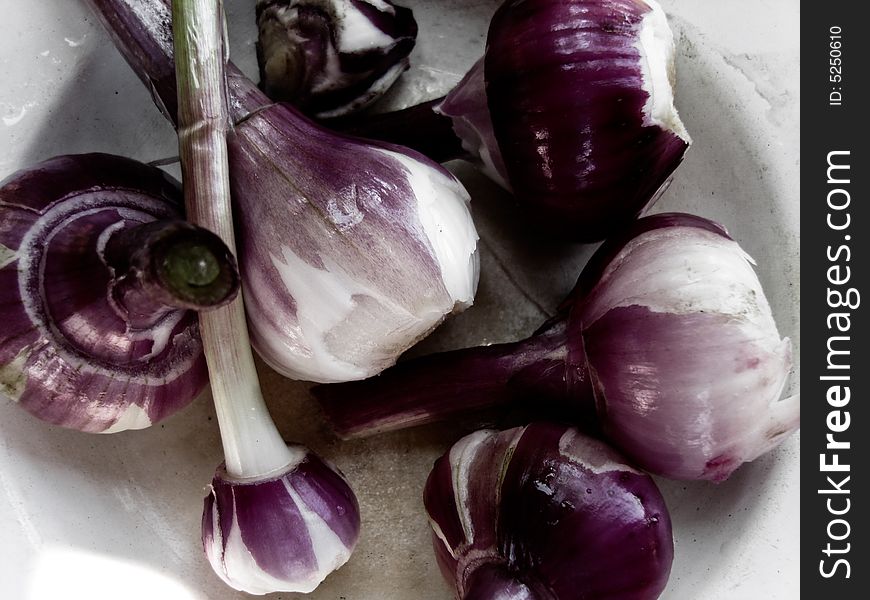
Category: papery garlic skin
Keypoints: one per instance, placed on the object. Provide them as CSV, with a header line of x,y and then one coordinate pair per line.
x,y
332,57
544,512
281,533
376,246
657,57
678,323
442,208
467,107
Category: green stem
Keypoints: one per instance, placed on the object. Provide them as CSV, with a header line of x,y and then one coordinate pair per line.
x,y
166,265
252,444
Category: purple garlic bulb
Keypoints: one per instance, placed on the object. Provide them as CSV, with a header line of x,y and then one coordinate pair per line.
x,y
331,58
543,512
283,532
99,280
350,252
685,361
572,108
667,340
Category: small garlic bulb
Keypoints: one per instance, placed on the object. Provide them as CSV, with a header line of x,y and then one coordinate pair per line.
x,y
283,532
331,58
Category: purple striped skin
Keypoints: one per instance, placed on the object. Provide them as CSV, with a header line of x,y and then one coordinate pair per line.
x,y
686,390
300,40
324,489
70,359
543,512
566,128
372,183
261,520
148,52
633,350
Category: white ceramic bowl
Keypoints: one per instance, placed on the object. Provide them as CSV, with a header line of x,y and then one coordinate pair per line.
x,y
99,517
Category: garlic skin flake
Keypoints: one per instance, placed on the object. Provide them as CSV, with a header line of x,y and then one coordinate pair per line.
x,y
284,532
655,45
466,106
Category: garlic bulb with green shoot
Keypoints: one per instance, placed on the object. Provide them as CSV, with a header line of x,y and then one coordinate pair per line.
x,y
99,280
284,531
350,252
331,58
277,517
